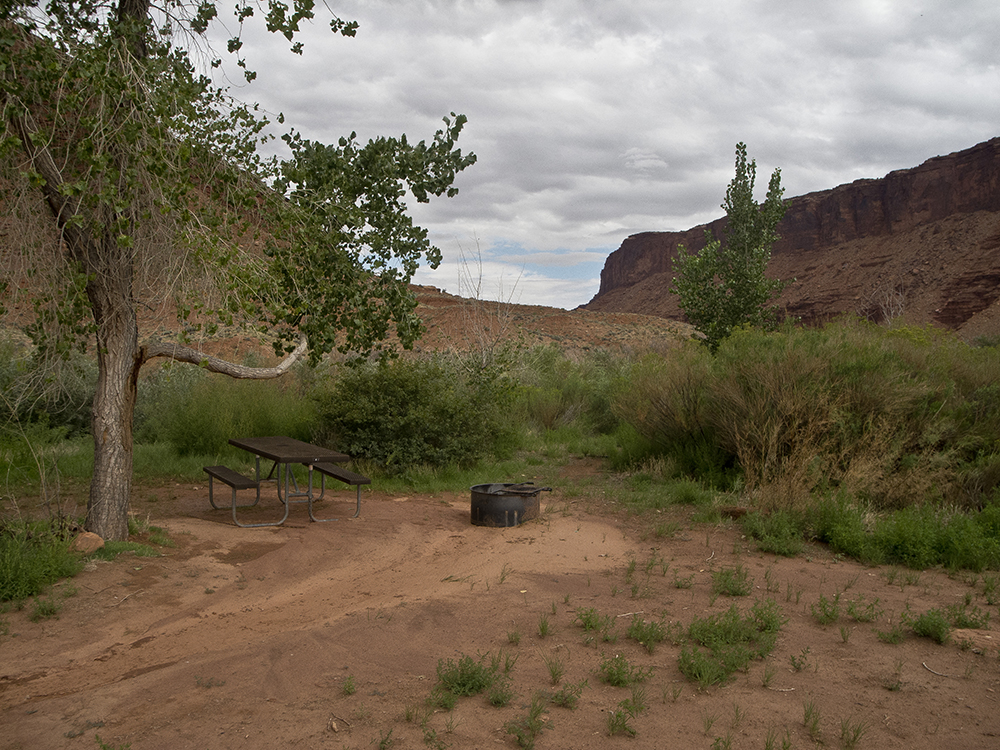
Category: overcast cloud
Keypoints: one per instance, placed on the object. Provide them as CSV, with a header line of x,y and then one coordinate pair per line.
x,y
597,119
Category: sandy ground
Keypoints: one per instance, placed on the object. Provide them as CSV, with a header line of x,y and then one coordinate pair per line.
x,y
246,638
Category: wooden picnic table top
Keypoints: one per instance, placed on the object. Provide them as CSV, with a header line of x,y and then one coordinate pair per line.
x,y
286,450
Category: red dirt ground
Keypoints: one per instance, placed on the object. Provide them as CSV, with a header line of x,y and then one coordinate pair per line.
x,y
245,637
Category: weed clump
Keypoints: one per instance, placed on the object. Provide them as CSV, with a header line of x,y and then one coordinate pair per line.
x,y
33,556
466,677
732,641
527,728
734,581
620,672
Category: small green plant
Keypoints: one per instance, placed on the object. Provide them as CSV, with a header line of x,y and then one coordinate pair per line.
x,y
932,624
779,532
467,677
500,693
630,570
513,637
569,695
556,669
852,732
619,720
967,615
800,662
505,572
708,721
733,581
895,683
44,609
432,740
647,634
504,661
527,728
105,746
619,723
589,619
349,688
811,719
771,741
451,724
739,714
990,589
826,611
385,740
683,583
789,594
412,712
208,682
862,610
733,640
768,675
845,633
894,635
442,698
543,625
619,672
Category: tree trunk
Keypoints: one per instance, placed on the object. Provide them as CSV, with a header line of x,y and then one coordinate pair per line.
x,y
109,290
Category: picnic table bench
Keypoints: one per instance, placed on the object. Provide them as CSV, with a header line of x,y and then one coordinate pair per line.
x,y
286,453
344,475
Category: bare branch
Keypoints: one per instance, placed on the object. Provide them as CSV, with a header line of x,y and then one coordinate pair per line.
x,y
154,348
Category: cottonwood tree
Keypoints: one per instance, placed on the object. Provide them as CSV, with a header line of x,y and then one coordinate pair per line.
x,y
725,286
134,185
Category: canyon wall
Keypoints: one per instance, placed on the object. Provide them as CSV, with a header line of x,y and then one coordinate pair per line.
x,y
920,243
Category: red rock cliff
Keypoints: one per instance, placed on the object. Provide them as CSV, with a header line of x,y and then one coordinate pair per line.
x,y
919,243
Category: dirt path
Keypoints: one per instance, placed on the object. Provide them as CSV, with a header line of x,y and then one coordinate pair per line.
x,y
247,637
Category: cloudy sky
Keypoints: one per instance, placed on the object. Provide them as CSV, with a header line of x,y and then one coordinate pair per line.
x,y
596,119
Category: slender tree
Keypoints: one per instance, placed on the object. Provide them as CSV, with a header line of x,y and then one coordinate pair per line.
x,y
135,186
725,285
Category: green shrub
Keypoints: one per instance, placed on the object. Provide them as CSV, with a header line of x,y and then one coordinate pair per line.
x,y
33,557
560,389
665,400
201,419
466,677
917,537
932,624
732,581
618,671
647,634
779,532
416,412
893,417
733,640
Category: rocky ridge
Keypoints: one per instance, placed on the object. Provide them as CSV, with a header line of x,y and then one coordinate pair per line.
x,y
918,244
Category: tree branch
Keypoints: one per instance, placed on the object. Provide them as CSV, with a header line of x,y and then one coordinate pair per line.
x,y
155,348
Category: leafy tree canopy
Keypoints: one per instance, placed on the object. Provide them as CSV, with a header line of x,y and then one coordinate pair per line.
x,y
135,186
724,286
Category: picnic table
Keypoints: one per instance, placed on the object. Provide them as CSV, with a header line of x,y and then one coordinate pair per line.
x,y
286,453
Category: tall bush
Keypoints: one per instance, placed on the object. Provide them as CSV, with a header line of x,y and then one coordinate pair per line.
x,y
665,399
198,415
892,417
58,393
409,412
560,389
